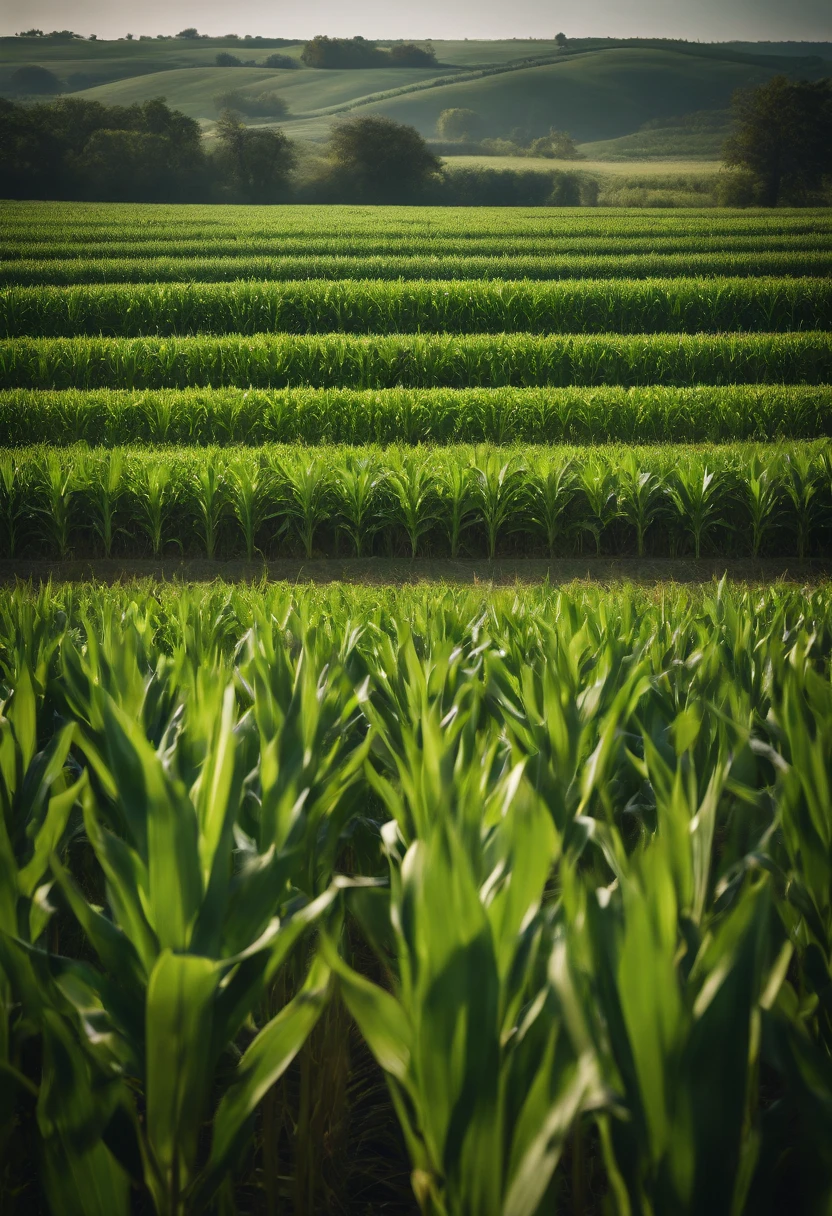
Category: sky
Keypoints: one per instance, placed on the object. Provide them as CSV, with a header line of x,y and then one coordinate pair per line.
x,y
706,20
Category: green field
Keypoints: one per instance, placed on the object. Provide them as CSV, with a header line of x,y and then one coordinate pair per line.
x,y
504,899
601,94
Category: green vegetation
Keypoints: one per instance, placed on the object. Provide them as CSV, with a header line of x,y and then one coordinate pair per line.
x,y
783,141
683,306
623,804
664,501
216,416
197,269
486,903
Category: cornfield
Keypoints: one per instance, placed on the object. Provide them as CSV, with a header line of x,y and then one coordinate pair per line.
x,y
688,306
416,360
648,414
471,901
277,500
574,845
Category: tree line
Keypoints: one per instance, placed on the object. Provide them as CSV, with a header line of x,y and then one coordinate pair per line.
x,y
72,148
77,149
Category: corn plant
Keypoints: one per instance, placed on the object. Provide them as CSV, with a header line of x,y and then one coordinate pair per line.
x,y
801,485
191,930
499,489
210,502
697,494
58,489
599,488
469,1042
13,507
550,492
412,488
763,500
153,495
358,487
307,500
640,498
248,495
104,485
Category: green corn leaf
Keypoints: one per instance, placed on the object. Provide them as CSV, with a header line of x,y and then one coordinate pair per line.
x,y
265,1061
178,1030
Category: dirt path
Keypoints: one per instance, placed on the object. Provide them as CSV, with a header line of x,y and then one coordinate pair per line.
x,y
385,571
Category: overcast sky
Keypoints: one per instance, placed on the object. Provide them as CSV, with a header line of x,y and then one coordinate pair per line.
x,y
707,20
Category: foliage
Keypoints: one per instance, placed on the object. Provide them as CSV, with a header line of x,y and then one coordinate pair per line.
x,y
662,501
34,79
382,159
259,162
784,137
459,123
620,800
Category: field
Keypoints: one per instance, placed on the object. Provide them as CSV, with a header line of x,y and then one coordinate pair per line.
x,y
599,93
340,895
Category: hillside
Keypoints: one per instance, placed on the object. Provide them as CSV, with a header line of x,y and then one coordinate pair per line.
x,y
601,94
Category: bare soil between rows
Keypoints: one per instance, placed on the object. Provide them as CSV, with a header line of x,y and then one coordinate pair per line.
x,y
385,571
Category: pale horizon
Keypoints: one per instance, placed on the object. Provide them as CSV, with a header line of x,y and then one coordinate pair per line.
x,y
704,20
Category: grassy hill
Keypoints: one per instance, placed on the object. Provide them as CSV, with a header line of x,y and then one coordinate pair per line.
x,y
602,94
595,95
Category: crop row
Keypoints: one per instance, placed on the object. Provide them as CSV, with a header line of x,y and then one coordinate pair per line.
x,y
373,307
82,222
404,245
662,501
415,361
209,269
568,868
649,414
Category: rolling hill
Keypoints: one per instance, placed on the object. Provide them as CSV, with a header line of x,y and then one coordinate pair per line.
x,y
602,94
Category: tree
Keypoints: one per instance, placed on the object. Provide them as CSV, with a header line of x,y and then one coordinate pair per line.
x,y
323,52
259,162
561,41
784,137
190,32
408,55
280,61
225,59
382,159
459,124
261,105
557,145
32,79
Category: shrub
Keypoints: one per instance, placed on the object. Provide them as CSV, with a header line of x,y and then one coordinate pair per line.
x,y
280,61
33,79
459,124
226,60
408,55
